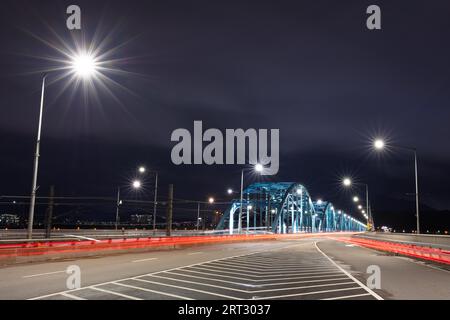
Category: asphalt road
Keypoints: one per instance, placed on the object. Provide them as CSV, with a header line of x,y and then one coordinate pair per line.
x,y
289,269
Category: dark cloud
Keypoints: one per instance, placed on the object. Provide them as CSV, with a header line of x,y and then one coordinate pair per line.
x,y
309,68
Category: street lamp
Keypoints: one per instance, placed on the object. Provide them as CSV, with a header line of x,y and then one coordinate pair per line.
x,y
230,191
347,182
142,170
84,66
379,145
136,184
355,199
259,168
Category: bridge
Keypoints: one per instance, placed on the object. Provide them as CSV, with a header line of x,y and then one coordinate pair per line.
x,y
285,207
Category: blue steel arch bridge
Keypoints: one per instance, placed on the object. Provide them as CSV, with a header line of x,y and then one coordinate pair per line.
x,y
285,207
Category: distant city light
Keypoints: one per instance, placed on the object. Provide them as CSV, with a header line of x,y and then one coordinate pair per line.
x,y
319,202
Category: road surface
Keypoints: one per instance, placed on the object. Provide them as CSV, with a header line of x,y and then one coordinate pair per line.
x,y
321,268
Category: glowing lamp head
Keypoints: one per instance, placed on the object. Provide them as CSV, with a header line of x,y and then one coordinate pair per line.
x,y
319,202
142,170
250,208
355,199
379,144
211,200
84,65
360,207
137,184
230,191
259,168
347,182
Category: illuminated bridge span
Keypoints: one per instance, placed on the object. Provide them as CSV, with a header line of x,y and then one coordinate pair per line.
x,y
285,207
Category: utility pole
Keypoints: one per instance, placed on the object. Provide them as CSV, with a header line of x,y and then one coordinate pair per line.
x,y
48,225
155,202
169,211
198,215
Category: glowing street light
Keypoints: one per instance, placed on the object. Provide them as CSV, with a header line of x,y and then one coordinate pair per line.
x,y
355,199
259,168
347,182
380,145
211,200
142,170
137,184
84,66
319,202
230,191
360,207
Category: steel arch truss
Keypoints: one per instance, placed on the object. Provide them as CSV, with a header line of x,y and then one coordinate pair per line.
x,y
285,207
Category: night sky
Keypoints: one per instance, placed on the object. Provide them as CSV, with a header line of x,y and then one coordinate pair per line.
x,y
309,68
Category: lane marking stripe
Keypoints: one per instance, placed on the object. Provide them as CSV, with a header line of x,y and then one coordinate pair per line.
x,y
144,260
349,275
116,293
43,274
153,291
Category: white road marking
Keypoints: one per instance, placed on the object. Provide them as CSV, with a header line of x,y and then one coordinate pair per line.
x,y
376,296
259,280
247,285
349,297
307,293
189,289
194,253
71,296
115,293
43,274
177,268
153,291
144,260
252,291
272,274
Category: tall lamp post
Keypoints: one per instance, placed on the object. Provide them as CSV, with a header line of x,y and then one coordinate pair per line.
x,y
259,168
380,145
84,66
137,184
143,170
